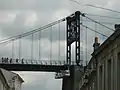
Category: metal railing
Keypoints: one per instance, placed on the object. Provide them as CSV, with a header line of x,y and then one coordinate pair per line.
x,y
34,62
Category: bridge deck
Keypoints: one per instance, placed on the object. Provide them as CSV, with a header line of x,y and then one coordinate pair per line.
x,y
35,65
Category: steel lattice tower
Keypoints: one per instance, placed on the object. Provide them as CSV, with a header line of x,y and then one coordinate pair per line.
x,y
73,35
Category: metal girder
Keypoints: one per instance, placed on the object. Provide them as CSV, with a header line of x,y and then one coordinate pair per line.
x,y
73,35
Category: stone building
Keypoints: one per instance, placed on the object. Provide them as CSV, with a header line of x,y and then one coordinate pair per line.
x,y
3,83
103,70
10,80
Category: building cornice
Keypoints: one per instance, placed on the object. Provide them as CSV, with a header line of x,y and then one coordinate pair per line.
x,y
108,41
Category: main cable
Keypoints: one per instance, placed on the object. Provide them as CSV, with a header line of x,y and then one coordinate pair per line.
x,y
33,31
102,8
42,28
95,6
103,16
94,30
98,23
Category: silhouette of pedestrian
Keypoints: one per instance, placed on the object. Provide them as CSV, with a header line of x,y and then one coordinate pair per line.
x,y
2,59
11,60
16,60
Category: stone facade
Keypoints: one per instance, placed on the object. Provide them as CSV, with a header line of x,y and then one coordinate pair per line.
x,y
3,82
103,70
10,80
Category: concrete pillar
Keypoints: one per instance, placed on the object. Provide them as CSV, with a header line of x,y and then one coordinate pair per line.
x,y
72,82
67,83
77,73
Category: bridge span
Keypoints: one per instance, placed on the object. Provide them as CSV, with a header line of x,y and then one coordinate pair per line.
x,y
35,65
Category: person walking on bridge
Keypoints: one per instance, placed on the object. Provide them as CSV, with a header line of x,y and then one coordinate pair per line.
x,y
22,61
10,60
16,60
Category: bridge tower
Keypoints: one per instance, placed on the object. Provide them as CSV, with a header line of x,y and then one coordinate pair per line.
x,y
73,35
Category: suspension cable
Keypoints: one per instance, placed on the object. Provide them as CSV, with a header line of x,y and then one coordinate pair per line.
x,y
19,48
59,58
99,23
32,48
32,32
13,49
42,28
39,44
102,8
109,23
94,30
103,16
51,43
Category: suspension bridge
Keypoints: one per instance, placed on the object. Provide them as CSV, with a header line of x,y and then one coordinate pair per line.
x,y
55,47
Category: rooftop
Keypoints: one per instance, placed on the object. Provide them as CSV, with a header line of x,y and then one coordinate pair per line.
x,y
8,75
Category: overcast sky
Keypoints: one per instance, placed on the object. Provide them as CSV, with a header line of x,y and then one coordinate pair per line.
x,y
19,16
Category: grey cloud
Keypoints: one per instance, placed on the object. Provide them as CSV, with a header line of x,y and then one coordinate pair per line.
x,y
45,11
31,5
18,27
